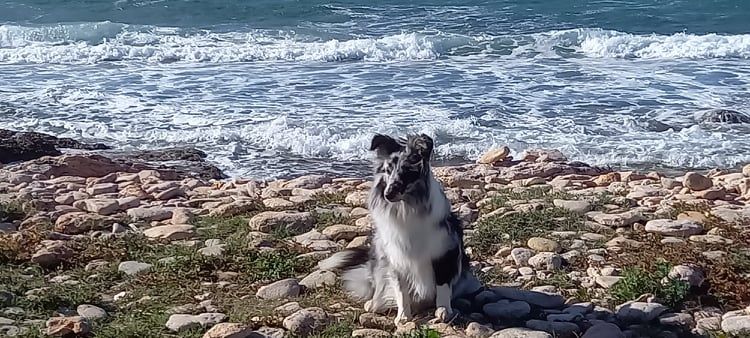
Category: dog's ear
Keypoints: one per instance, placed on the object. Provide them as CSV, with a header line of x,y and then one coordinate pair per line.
x,y
424,145
384,145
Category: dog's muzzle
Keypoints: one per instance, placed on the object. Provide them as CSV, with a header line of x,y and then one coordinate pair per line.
x,y
393,192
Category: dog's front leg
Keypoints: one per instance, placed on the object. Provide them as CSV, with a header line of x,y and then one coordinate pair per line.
x,y
403,301
443,296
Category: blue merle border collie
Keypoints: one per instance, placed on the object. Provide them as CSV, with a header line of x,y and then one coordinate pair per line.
x,y
416,259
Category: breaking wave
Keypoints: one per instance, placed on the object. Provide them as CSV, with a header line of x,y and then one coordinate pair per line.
x,y
83,43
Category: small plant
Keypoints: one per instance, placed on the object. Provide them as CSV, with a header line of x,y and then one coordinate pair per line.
x,y
11,211
422,332
520,226
637,281
326,218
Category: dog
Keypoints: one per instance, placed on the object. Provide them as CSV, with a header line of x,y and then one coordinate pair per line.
x,y
417,258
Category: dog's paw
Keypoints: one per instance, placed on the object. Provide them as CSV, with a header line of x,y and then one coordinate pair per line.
x,y
368,306
444,315
402,319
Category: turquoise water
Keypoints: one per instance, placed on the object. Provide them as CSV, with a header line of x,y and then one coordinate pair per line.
x,y
273,88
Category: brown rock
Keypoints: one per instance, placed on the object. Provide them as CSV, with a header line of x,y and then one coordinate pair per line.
x,y
494,155
171,232
345,232
269,221
101,206
697,182
63,326
230,330
182,216
129,202
277,203
308,182
148,214
135,191
711,194
544,155
170,194
235,208
607,179
103,188
52,254
80,222
694,216
357,198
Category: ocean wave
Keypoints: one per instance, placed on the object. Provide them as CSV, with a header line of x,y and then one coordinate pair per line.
x,y
107,41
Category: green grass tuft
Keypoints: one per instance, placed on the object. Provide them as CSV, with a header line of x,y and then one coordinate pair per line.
x,y
492,232
637,281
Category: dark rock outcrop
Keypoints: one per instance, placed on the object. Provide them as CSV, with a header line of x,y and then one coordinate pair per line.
x,y
23,146
184,161
724,116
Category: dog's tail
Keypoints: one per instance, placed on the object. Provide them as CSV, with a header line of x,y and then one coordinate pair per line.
x,y
356,271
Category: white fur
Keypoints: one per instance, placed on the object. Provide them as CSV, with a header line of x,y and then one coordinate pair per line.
x,y
411,242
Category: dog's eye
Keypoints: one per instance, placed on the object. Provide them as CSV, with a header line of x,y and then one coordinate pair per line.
x,y
415,158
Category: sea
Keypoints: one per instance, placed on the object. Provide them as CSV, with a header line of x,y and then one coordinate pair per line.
x,y
276,88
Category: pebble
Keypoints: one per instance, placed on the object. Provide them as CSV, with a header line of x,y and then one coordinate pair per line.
x,y
230,330
520,333
284,288
476,330
270,221
736,325
540,244
318,279
182,322
679,228
543,300
683,320
505,309
91,311
375,321
521,256
132,268
558,329
692,275
149,214
604,330
607,281
367,333
64,326
305,321
576,206
696,182
546,261
171,232
639,312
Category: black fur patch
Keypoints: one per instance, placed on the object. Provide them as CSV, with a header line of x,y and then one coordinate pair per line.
x,y
355,257
446,267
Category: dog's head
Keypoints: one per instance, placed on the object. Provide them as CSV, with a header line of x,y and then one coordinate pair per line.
x,y
402,166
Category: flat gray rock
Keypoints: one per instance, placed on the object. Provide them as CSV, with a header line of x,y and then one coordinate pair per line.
x,y
604,330
284,288
639,312
506,309
736,325
679,228
544,300
132,268
517,332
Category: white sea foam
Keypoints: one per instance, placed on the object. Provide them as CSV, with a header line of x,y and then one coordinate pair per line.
x,y
106,41
620,100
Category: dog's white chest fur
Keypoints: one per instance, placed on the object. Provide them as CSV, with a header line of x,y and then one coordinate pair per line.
x,y
411,243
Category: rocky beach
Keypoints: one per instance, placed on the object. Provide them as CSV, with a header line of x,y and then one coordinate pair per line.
x,y
100,243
